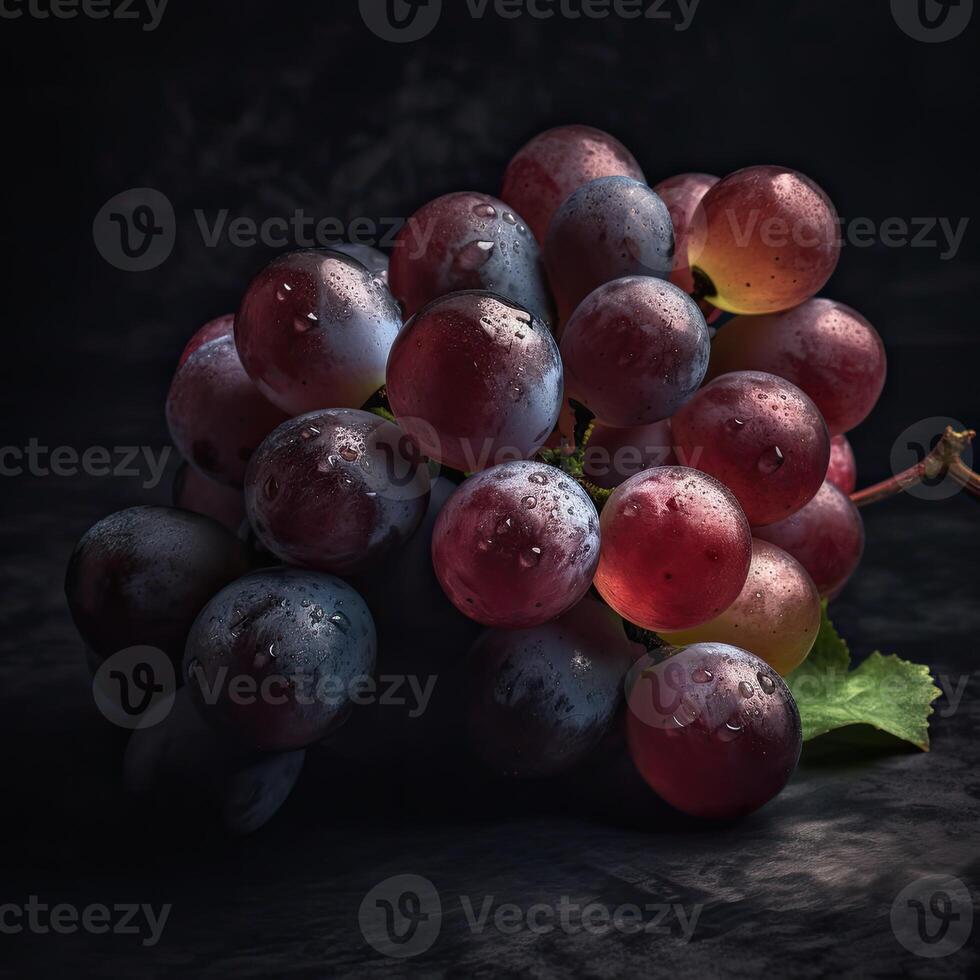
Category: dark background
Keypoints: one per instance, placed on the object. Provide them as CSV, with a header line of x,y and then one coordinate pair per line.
x,y
261,108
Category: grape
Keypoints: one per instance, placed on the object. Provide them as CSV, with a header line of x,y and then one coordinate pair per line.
x,y
682,195
763,239
192,490
826,537
374,260
776,615
336,490
516,545
842,471
676,549
825,348
222,326
475,381
275,657
635,350
314,331
713,730
609,228
539,700
468,241
761,436
139,577
216,415
557,162
613,455
193,773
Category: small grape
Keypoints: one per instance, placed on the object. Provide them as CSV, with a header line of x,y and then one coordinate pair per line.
x,y
516,545
826,537
557,162
635,350
695,577
776,615
194,491
468,241
314,331
475,381
222,326
761,436
336,490
763,239
713,730
612,455
682,195
842,471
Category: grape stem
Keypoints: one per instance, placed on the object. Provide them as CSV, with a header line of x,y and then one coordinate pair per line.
x,y
945,459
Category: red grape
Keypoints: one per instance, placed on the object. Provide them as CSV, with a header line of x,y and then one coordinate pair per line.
x,y
713,730
336,490
761,436
516,545
314,331
676,549
763,239
216,415
609,228
635,351
192,490
776,615
613,455
826,537
825,348
556,163
842,471
682,195
222,326
475,381
468,241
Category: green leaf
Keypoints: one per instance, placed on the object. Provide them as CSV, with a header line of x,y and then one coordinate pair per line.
x,y
886,692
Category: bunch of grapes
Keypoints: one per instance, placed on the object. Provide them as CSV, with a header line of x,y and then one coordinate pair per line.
x,y
501,460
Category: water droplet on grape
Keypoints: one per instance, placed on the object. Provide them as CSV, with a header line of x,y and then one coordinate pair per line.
x,y
509,218
340,621
349,454
475,255
766,682
531,557
539,478
316,614
771,460
745,689
485,211
271,488
701,675
530,502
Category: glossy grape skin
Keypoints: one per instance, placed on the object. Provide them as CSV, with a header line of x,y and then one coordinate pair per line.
x,y
682,194
336,490
763,239
216,415
516,545
475,381
466,241
607,229
222,326
635,350
539,700
676,549
192,773
194,491
555,163
826,537
761,436
302,638
776,615
842,471
612,455
713,730
314,331
141,576
373,259
825,348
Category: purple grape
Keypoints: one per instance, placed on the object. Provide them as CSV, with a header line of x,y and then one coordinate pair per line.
x,y
613,455
192,490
